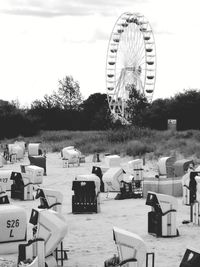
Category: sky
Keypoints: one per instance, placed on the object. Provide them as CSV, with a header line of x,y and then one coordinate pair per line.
x,y
42,41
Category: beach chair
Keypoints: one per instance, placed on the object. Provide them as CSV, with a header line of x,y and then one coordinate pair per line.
x,y
70,156
162,217
39,161
136,168
132,189
191,258
112,179
16,152
49,199
166,166
4,197
181,167
112,161
44,249
34,149
97,170
22,188
86,197
132,251
194,189
33,173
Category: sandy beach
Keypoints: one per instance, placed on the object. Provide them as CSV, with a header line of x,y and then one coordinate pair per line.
x,y
90,238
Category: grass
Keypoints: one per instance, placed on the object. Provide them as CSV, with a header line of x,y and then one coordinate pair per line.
x,y
127,141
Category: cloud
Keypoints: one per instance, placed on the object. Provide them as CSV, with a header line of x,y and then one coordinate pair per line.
x,y
53,8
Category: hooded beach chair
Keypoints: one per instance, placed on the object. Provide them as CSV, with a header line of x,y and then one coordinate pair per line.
x,y
49,199
22,188
132,251
112,179
162,217
166,166
136,168
70,156
86,197
49,230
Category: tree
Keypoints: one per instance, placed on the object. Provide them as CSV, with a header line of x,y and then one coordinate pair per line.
x,y
47,103
157,114
186,107
68,96
136,105
96,112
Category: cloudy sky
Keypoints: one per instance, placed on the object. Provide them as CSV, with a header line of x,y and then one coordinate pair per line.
x,y
42,41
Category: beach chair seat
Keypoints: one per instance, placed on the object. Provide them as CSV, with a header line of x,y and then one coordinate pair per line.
x,y
86,194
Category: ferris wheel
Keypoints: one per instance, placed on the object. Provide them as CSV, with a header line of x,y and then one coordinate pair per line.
x,y
131,61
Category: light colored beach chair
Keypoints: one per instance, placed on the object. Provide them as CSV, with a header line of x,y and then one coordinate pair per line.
x,y
112,161
70,156
16,152
112,179
34,149
136,168
166,166
50,229
5,181
162,217
49,199
33,173
132,251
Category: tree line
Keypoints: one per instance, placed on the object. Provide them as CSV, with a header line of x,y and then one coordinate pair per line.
x,y
65,109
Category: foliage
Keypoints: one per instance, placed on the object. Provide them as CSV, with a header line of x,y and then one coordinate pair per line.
x,y
15,121
183,107
96,112
150,143
138,148
136,106
64,109
68,96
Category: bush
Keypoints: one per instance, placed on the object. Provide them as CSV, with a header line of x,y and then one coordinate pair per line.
x,y
138,148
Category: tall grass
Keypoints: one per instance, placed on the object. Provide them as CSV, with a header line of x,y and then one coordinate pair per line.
x,y
126,141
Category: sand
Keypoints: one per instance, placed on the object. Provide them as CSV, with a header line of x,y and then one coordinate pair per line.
x,y
90,238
